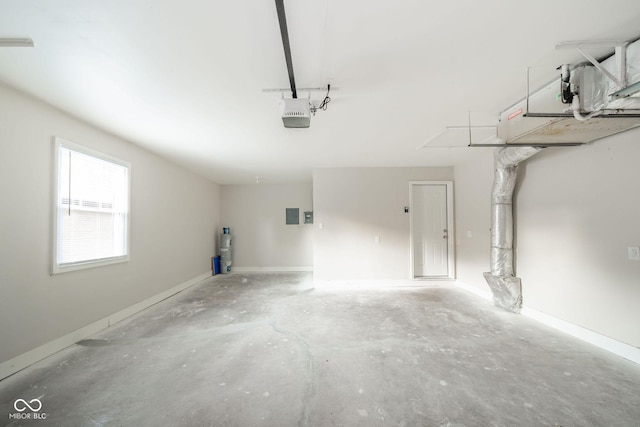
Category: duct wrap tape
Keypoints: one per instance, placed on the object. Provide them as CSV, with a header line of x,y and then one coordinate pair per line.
x,y
507,291
506,288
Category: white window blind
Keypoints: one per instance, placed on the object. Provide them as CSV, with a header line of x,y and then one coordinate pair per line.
x,y
92,205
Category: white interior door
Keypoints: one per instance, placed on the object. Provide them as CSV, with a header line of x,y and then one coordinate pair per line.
x,y
430,230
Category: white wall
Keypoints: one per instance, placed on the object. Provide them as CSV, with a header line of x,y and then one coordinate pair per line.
x,y
174,218
353,206
256,216
473,181
577,211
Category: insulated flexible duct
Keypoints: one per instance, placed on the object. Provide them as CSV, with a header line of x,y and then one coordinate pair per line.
x,y
506,288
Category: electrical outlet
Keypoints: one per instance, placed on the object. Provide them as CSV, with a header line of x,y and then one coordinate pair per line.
x,y
634,253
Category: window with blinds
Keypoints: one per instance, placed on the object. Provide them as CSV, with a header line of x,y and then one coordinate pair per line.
x,y
92,208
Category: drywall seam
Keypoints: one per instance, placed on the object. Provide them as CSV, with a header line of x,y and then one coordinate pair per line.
x,y
611,345
24,360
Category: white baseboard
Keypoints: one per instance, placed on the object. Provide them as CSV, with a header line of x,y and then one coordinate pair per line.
x,y
619,348
378,283
611,345
268,269
24,360
486,294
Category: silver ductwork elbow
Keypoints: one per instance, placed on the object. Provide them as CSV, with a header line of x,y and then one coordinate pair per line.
x,y
506,288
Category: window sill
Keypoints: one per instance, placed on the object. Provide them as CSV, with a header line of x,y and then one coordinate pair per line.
x,y
64,268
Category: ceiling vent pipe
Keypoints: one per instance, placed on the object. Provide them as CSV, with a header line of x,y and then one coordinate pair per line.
x,y
505,286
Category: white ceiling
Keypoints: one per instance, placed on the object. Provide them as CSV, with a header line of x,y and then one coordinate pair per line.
x,y
185,78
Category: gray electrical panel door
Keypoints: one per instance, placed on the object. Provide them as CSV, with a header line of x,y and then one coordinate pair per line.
x,y
292,216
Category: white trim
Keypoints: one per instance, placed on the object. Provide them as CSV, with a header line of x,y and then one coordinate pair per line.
x,y
619,348
611,345
268,269
451,266
485,294
62,268
24,360
380,284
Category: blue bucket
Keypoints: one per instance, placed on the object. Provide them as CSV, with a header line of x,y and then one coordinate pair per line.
x,y
216,265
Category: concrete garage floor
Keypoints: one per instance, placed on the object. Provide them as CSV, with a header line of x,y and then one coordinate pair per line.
x,y
269,350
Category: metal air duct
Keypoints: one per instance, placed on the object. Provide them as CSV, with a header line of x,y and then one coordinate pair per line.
x,y
601,105
506,287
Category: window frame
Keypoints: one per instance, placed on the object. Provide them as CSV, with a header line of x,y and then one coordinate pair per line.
x,y
80,265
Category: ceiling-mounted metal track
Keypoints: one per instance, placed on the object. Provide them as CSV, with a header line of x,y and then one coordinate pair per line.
x,y
16,42
284,33
301,89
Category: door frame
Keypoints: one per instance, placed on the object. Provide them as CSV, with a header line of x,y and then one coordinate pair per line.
x,y
451,256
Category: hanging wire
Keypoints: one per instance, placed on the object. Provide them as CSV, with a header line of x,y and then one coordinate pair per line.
x,y
323,105
326,100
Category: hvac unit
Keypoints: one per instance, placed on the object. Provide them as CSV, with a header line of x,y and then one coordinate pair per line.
x,y
584,105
